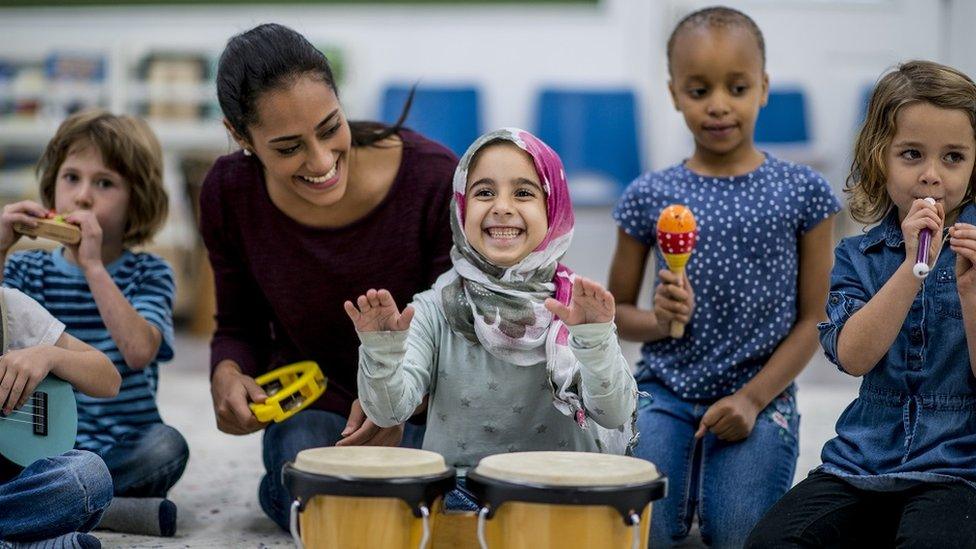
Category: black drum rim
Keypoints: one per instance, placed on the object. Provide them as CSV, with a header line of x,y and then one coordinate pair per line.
x,y
416,491
626,499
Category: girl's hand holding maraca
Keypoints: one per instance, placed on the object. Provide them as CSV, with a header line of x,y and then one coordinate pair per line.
x,y
677,233
590,303
674,300
376,311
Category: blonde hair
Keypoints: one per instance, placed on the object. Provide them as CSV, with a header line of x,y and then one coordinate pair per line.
x,y
911,82
129,147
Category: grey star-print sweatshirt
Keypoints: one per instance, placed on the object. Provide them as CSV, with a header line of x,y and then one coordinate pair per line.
x,y
480,405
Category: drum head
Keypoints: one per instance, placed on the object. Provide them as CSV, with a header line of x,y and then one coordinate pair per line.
x,y
370,462
578,469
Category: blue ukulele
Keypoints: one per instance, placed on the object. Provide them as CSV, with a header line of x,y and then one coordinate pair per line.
x,y
44,426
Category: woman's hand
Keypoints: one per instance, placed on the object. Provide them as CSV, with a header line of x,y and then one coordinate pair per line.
x,y
674,300
361,431
378,312
232,391
590,303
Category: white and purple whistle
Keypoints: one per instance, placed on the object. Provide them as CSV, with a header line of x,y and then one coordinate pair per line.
x,y
921,268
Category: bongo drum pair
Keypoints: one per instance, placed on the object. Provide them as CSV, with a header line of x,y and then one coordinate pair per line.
x,y
391,498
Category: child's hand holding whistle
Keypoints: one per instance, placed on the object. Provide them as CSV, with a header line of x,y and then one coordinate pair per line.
x,y
24,213
920,227
29,221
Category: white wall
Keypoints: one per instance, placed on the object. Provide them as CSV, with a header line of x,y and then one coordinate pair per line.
x,y
509,50
831,47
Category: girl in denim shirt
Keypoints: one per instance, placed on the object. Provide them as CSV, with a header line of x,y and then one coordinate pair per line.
x,y
902,469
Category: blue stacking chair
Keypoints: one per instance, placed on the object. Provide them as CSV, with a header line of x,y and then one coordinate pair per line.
x,y
595,132
450,115
783,121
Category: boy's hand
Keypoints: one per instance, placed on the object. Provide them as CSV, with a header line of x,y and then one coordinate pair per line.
x,y
21,371
731,418
232,391
26,212
89,250
378,312
674,300
923,215
590,303
962,240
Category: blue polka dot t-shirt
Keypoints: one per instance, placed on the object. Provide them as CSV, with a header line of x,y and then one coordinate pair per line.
x,y
743,269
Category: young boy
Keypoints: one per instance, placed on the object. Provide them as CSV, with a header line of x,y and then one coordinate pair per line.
x,y
103,173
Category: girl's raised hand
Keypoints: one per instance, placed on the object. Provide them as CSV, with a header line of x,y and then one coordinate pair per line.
x,y
26,212
923,215
962,240
590,303
376,311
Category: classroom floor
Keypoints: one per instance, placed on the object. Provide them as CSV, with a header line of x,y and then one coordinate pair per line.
x,y
217,497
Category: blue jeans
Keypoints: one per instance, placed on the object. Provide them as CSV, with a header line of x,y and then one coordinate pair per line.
x,y
283,441
147,463
730,484
55,496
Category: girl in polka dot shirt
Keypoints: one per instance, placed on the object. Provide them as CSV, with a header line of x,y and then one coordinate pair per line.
x,y
720,412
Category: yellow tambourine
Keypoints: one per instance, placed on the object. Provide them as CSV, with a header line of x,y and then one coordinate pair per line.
x,y
290,389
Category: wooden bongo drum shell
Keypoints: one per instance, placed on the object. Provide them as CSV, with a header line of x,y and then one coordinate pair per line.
x,y
538,500
366,496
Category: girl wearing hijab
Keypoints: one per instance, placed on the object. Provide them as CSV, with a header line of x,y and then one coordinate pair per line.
x,y
516,352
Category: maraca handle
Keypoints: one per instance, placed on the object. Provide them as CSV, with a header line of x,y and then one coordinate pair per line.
x,y
921,268
678,328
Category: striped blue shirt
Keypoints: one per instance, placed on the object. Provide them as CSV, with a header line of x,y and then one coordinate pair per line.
x,y
146,281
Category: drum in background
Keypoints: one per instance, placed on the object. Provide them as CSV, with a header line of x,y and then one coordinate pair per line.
x,y
365,496
535,500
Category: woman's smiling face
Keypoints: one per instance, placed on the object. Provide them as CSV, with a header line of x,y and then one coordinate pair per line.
x,y
303,141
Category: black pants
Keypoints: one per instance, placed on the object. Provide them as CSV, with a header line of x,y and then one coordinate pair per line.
x,y
825,511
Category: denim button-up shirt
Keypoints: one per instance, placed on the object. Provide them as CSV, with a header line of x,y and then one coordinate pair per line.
x,y
915,415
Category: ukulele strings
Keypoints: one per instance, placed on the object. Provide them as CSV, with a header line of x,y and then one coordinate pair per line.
x,y
31,403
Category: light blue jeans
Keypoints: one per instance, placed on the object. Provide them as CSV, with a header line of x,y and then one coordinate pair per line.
x,y
729,484
55,496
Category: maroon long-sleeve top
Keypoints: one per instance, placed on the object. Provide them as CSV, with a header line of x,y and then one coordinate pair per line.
x,y
281,285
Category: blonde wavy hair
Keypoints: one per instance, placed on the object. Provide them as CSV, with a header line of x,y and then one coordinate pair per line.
x,y
129,147
911,82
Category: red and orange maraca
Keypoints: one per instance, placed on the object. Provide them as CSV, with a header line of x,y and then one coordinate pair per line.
x,y
676,236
